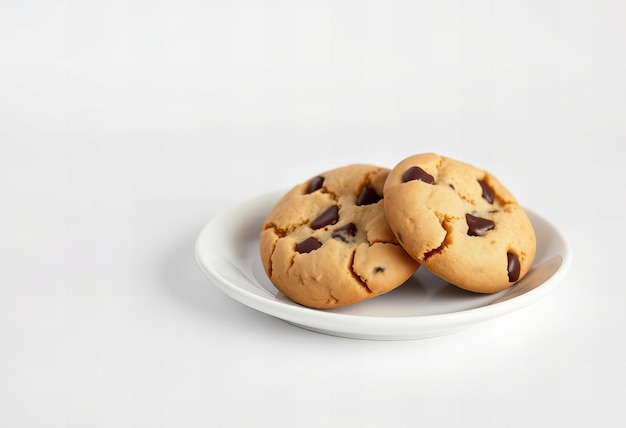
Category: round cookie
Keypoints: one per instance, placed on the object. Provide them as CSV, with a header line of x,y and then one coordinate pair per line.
x,y
326,243
460,222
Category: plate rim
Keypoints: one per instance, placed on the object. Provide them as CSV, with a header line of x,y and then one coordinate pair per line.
x,y
402,327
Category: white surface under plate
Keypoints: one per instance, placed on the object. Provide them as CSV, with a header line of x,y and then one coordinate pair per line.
x,y
227,251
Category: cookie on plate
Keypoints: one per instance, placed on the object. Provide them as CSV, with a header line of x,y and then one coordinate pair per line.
x,y
326,243
459,222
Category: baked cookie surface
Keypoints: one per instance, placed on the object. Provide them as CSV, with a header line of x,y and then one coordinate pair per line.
x,y
326,243
459,222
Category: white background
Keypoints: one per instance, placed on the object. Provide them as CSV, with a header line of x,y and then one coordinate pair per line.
x,y
125,126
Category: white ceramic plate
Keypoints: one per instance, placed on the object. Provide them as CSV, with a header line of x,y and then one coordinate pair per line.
x,y
227,251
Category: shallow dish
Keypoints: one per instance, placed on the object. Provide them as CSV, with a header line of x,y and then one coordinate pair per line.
x,y
227,251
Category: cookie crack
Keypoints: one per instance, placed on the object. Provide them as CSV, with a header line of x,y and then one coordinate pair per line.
x,y
439,165
335,300
283,232
447,240
270,267
356,276
369,174
467,199
330,193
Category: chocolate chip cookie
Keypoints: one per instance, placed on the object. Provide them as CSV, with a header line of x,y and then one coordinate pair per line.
x,y
459,222
326,243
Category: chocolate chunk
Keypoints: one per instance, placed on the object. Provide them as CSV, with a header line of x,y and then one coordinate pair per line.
x,y
487,191
513,266
344,231
379,269
417,173
368,196
478,226
330,216
308,245
315,184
